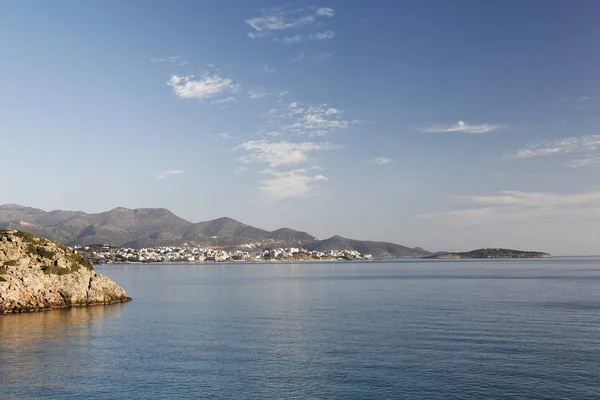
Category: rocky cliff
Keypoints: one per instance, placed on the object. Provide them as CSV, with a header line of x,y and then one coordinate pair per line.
x,y
37,274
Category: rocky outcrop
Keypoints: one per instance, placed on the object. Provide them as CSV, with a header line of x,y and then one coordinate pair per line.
x,y
37,274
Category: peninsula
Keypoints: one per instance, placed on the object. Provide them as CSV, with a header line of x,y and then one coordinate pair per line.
x,y
37,274
491,253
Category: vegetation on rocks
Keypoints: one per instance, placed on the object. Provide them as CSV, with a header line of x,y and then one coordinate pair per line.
x,y
50,252
37,274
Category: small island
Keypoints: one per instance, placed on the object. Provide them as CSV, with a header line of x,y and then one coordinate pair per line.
x,y
37,274
490,253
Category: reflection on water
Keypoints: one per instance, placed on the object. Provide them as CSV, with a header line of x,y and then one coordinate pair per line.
x,y
39,348
419,330
29,329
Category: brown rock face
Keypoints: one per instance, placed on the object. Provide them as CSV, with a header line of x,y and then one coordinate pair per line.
x,y
37,274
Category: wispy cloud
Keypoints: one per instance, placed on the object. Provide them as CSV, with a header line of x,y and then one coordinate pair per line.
x,y
224,100
290,184
205,87
290,39
276,20
221,136
587,99
380,161
311,120
268,70
322,56
322,35
461,126
166,174
573,144
583,162
281,153
326,12
279,22
258,93
584,103
172,60
298,57
521,206
240,170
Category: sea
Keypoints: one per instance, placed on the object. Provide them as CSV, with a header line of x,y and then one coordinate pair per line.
x,y
408,329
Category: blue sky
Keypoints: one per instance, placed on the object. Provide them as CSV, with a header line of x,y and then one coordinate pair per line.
x,y
449,125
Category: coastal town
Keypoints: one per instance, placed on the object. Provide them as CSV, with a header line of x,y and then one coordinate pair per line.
x,y
104,254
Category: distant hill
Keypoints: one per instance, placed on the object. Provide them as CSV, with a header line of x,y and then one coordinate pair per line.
x,y
491,253
149,227
376,249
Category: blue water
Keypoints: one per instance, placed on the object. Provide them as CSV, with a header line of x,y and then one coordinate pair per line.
x,y
394,330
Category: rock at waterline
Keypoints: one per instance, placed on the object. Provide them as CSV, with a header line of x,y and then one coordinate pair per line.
x,y
37,274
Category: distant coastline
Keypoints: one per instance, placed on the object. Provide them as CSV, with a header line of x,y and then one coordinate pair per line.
x,y
490,253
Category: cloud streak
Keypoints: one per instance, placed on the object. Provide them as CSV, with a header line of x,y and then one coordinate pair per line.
x,y
322,57
573,144
258,93
289,40
268,70
583,162
322,35
461,127
221,136
166,174
380,161
521,206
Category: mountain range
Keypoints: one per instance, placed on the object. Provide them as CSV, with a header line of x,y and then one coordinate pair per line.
x,y
150,227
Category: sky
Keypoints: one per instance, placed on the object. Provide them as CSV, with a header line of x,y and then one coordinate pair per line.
x,y
450,125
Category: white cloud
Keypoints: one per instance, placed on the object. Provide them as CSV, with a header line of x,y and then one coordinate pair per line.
x,y
380,161
322,35
586,99
290,184
461,126
312,120
325,11
290,39
584,103
268,70
279,22
172,59
280,19
221,136
254,35
205,87
521,206
573,144
281,153
165,174
583,162
322,57
228,99
258,93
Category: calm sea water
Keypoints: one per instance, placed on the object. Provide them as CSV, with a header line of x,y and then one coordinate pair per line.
x,y
394,330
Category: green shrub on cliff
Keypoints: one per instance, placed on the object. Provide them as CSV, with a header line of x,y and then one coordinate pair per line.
x,y
44,249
